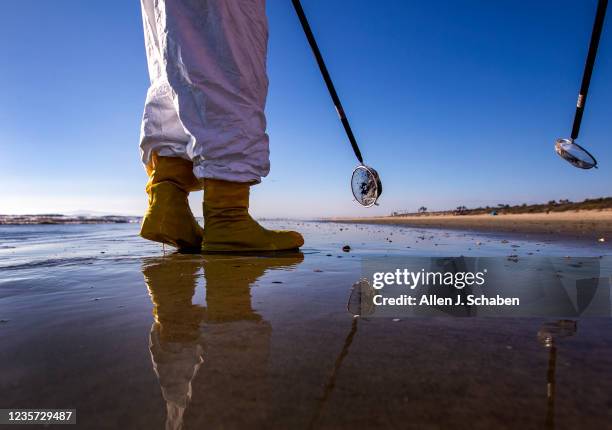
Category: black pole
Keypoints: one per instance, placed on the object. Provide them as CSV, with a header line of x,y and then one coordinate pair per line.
x,y
330,86
588,67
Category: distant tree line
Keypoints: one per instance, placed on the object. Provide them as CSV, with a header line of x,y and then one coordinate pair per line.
x,y
561,205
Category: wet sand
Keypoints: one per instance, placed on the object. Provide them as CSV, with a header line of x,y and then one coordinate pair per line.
x,y
581,225
96,319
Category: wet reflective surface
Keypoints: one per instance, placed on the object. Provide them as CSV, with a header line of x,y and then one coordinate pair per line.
x,y
94,318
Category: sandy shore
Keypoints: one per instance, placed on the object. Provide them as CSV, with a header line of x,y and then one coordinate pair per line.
x,y
98,319
580,224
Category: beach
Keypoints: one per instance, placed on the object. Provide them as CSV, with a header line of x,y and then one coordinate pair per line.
x,y
133,335
581,225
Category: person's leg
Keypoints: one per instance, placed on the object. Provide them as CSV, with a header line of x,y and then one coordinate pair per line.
x,y
163,144
161,129
214,58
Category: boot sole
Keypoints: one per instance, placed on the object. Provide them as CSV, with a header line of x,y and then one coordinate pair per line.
x,y
225,248
251,251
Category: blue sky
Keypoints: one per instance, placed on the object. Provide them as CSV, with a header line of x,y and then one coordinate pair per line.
x,y
453,102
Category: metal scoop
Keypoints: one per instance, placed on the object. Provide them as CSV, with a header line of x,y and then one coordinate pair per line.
x,y
575,154
366,185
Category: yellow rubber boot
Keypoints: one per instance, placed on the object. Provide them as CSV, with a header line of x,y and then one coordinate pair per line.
x,y
228,227
168,218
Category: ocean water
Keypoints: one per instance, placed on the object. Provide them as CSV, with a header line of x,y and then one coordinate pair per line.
x,y
136,336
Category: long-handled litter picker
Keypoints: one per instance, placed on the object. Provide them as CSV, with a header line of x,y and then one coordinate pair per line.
x,y
568,149
365,182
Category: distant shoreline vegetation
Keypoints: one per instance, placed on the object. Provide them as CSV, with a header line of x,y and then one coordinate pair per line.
x,y
66,219
562,205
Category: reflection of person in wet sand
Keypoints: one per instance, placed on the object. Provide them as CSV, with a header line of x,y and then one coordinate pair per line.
x,y
213,358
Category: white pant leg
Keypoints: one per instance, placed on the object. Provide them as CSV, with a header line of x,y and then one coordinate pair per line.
x,y
161,130
212,55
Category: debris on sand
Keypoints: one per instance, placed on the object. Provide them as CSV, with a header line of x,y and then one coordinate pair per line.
x,y
317,271
514,258
346,248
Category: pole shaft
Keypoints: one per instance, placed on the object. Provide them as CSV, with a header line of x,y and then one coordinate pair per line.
x,y
588,67
326,77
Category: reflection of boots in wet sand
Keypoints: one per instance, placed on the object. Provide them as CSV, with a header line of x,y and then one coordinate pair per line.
x,y
233,389
176,350
221,352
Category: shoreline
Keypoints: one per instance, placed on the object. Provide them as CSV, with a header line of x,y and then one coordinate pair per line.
x,y
591,225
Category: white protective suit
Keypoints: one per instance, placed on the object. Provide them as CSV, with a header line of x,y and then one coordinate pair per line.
x,y
207,64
